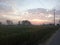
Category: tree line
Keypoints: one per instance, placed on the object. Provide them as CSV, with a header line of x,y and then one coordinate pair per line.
x,y
24,22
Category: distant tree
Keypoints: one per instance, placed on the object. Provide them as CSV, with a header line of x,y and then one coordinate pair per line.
x,y
0,23
58,24
59,21
51,24
9,22
26,22
18,22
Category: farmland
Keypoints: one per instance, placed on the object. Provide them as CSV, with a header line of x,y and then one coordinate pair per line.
x,y
25,35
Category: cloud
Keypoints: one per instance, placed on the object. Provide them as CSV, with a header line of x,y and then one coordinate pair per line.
x,y
49,15
7,7
40,13
39,21
7,10
5,0
43,14
42,10
57,12
38,10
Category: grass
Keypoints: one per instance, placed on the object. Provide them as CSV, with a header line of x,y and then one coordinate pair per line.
x,y
25,35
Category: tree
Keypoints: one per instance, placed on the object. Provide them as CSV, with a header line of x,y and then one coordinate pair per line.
x,y
26,22
9,22
0,23
59,22
18,22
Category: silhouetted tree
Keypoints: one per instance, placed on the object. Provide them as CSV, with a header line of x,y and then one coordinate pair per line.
x,y
59,21
26,22
0,23
9,22
58,25
18,22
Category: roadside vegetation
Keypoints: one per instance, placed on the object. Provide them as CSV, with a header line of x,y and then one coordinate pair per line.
x,y
25,35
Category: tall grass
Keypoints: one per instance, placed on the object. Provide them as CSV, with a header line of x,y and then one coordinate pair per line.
x,y
25,35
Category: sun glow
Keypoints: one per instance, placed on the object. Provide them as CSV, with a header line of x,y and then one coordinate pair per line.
x,y
38,21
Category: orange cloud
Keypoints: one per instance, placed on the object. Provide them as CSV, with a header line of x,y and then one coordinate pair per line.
x,y
38,21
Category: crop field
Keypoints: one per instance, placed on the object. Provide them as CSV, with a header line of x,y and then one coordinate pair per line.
x,y
25,35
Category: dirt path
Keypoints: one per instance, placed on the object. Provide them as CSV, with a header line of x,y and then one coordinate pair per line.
x,y
54,40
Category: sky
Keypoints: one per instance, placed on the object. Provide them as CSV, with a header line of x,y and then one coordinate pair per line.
x,y
36,11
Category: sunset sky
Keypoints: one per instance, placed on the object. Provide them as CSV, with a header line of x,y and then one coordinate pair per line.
x,y
36,11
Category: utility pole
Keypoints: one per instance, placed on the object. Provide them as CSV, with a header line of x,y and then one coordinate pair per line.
x,y
54,16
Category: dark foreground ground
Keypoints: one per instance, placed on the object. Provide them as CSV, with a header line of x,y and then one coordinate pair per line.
x,y
25,35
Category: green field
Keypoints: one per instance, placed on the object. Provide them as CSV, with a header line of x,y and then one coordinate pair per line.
x,y
25,35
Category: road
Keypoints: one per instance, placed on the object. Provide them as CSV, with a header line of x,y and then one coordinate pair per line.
x,y
55,40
